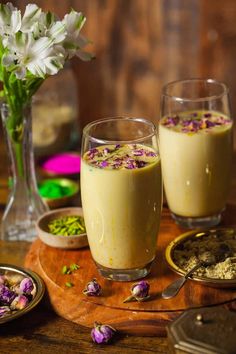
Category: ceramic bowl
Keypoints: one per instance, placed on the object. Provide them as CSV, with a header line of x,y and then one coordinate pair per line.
x,y
68,199
65,164
59,241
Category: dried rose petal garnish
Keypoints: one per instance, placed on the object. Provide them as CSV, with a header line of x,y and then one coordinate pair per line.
x,y
192,122
140,292
102,333
126,156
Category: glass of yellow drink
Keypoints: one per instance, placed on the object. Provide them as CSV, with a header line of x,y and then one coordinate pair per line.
x,y
121,189
195,133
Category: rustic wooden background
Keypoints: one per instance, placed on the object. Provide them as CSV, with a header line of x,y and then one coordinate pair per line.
x,y
142,44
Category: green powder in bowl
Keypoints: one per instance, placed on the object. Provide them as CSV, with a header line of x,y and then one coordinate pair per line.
x,y
57,188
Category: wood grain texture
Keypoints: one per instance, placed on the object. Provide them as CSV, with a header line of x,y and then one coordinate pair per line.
x,y
145,318
142,44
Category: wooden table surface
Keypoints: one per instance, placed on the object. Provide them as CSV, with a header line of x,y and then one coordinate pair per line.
x,y
42,331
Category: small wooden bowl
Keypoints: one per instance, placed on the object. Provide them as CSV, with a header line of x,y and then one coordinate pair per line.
x,y
59,241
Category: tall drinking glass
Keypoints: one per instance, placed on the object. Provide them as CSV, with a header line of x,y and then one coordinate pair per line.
x,y
121,189
195,132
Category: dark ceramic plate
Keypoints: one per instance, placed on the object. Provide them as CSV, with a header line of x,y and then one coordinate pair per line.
x,y
38,293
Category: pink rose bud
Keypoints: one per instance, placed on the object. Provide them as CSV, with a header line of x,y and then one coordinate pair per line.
x,y
93,288
6,295
26,286
4,311
140,292
102,333
2,279
19,303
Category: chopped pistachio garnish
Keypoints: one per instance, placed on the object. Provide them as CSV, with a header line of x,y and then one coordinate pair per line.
x,y
69,284
66,270
67,226
74,266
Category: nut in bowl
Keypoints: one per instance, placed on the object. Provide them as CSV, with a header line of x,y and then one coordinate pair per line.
x,y
63,228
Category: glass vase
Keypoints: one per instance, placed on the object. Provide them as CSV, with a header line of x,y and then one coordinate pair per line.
x,y
24,204
55,113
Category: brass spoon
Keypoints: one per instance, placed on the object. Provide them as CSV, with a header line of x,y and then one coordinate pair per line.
x,y
205,259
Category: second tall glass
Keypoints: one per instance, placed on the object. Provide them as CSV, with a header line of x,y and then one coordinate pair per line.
x,y
195,132
121,188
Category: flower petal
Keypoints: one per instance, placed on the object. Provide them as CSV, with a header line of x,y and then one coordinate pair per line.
x,y
15,21
10,19
41,46
31,16
74,21
53,65
8,60
37,68
57,32
20,72
5,14
85,56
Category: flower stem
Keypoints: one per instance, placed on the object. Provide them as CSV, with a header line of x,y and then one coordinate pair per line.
x,y
19,158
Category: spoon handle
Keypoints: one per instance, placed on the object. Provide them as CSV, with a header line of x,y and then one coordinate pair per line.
x,y
173,289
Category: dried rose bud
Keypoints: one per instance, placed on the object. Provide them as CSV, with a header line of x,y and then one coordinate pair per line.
x,y
19,303
92,288
26,286
4,311
13,279
2,279
16,289
102,333
6,295
140,292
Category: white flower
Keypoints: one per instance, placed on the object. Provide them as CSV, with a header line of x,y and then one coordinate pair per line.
x,y
48,27
37,56
32,47
74,42
10,21
37,42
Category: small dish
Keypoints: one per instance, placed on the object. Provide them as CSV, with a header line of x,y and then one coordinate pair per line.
x,y
178,244
59,241
65,164
51,188
24,273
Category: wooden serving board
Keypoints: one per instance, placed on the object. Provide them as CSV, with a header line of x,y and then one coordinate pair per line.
x,y
145,318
